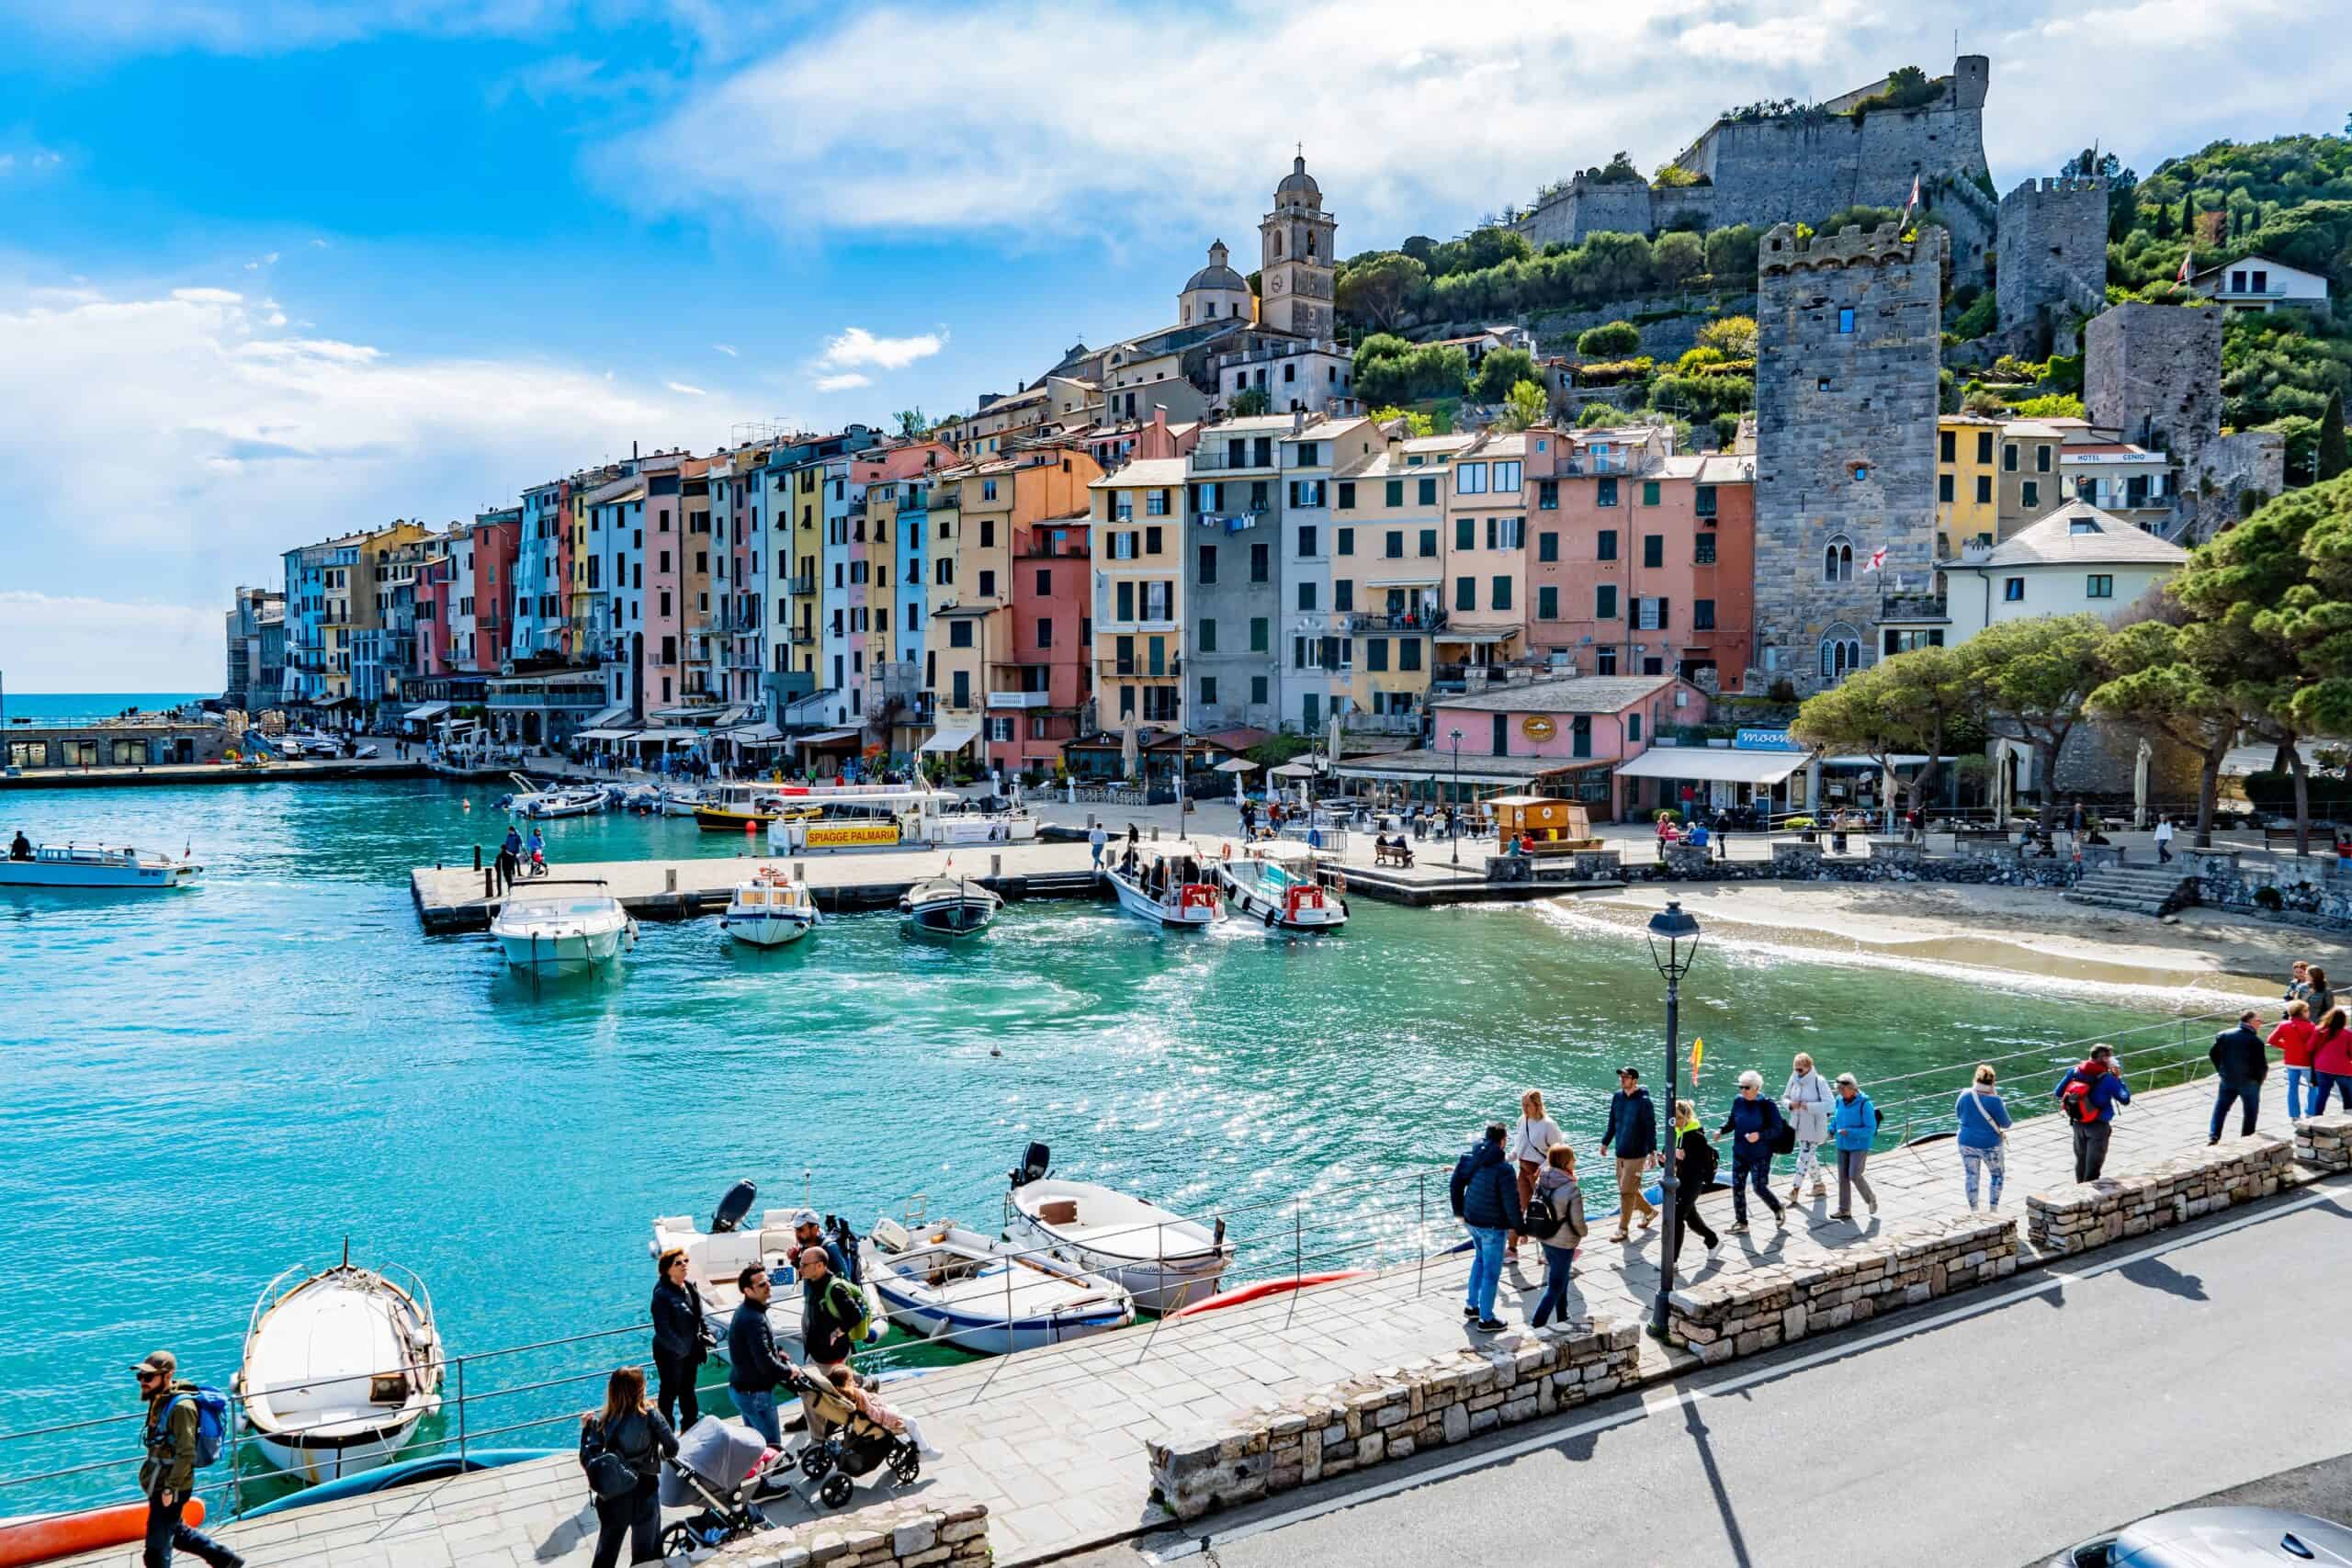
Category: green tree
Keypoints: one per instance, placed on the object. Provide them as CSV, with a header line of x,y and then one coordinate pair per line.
x,y
2036,676
1677,258
1913,703
1731,252
2333,458
1600,411
1379,288
2162,686
912,423
1248,401
1524,406
1500,371
1416,422
1731,336
1610,340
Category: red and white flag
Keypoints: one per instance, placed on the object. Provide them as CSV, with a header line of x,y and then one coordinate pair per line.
x,y
1912,205
2186,257
1877,561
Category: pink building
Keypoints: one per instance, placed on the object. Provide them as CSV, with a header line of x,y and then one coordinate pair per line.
x,y
1049,675
434,580
1564,737
495,540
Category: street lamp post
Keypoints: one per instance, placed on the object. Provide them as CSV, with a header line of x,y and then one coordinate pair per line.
x,y
1674,943
1453,820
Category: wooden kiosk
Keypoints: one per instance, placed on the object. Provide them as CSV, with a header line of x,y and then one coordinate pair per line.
x,y
1557,826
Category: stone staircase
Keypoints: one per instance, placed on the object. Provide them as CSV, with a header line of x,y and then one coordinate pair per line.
x,y
2142,889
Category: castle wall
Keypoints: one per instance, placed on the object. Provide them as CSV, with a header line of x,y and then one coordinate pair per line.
x,y
1832,399
2053,255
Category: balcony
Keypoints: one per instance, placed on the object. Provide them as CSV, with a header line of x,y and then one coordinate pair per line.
x,y
1205,461
1356,721
801,585
1020,699
804,637
1912,607
1421,621
1141,668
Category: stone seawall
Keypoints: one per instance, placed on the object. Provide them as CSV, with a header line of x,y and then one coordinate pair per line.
x,y
2096,1213
904,1532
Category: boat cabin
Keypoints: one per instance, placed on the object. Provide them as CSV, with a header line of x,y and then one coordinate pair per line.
x,y
1556,826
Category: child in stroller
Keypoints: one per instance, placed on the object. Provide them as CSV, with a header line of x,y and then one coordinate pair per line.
x,y
861,1434
729,1472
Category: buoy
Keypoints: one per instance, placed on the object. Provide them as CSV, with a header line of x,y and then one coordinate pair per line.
x,y
465,806
996,1050
750,825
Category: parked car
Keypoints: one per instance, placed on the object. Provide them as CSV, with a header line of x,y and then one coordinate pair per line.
x,y
2214,1537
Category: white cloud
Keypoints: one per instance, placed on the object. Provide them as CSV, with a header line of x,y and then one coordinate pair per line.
x,y
855,345
685,392
842,383
70,643
726,348
253,440
259,262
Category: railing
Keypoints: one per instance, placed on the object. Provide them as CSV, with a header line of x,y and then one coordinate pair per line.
x,y
1020,699
1422,621
800,585
1204,461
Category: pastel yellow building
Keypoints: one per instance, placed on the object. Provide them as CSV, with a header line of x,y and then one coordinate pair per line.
x,y
1967,479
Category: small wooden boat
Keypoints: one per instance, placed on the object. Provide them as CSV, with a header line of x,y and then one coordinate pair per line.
x,y
772,909
981,1295
1163,1259
1279,885
339,1368
551,924
1168,889
79,867
948,907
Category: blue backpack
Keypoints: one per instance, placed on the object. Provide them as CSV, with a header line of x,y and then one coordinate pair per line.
x,y
211,1423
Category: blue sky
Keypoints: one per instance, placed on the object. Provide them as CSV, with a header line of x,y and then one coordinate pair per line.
x,y
276,269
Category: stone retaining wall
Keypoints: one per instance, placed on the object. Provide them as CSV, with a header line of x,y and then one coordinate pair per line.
x,y
1393,1415
1778,1303
2170,1192
903,1532
2324,1142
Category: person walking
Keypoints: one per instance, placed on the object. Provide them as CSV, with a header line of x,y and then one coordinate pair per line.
x,y
168,1472
1631,1138
2293,1038
2164,840
1486,1198
1095,839
1558,1196
1754,1124
2089,1094
679,1345
1984,1137
621,1449
1853,1126
2331,1064
1695,1164
755,1367
832,1311
1531,1137
1807,1100
510,855
2241,1061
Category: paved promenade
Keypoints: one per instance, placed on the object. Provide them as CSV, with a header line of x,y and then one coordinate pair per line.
x,y
1052,1441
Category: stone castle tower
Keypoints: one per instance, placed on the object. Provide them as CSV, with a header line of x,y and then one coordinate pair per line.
x,y
1848,351
2051,260
1298,270
2155,373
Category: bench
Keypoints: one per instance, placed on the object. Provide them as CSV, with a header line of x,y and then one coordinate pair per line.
x,y
1397,856
2323,838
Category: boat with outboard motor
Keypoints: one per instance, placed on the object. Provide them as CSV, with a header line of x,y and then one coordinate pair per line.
x,y
339,1368
98,866
552,923
944,1282
772,909
864,818
951,907
1279,884
733,807
556,800
1163,1259
1165,887
718,1255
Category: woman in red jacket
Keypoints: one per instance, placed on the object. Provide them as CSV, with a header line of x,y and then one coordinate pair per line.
x,y
2332,1062
2293,1038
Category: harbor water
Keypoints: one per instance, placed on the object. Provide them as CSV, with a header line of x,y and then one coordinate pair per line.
x,y
208,1087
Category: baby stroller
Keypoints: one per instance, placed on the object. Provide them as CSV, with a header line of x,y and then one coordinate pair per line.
x,y
729,1472
855,1446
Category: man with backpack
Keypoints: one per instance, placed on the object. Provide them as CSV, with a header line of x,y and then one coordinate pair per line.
x,y
1484,1191
2089,1095
182,1434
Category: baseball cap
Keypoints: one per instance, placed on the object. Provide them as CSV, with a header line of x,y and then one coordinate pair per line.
x,y
804,1217
1629,1072
159,1361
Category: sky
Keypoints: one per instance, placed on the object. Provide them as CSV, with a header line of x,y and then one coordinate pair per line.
x,y
273,270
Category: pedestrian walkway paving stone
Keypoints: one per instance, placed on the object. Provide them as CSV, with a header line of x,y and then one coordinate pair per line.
x,y
1053,1440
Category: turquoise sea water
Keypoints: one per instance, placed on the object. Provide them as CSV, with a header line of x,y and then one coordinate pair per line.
x,y
54,708
208,1087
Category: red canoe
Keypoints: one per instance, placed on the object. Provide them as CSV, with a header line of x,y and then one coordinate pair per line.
x,y
52,1536
1242,1294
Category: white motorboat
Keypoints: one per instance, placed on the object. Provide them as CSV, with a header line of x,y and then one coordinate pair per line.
x,y
560,800
717,1257
772,909
551,923
1280,885
1167,888
340,1365
98,866
951,907
981,1295
1162,1258
680,800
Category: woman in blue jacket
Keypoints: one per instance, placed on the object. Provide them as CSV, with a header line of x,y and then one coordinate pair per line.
x,y
1984,1136
1853,1127
1754,1124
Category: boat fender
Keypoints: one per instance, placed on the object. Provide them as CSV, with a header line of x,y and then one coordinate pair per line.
x,y
733,1207
1339,881
1269,917
1225,851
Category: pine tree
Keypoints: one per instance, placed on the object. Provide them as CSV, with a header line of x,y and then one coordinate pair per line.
x,y
2189,215
2333,458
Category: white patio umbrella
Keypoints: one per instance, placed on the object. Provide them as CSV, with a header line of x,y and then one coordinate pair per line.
x,y
2140,783
1130,752
1237,766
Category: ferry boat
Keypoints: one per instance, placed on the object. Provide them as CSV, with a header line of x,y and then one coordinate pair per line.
x,y
554,924
1162,1259
1279,885
772,909
948,907
1167,888
731,808
854,817
339,1368
98,866
981,1295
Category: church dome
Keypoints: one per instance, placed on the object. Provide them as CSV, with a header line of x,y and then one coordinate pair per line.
x,y
1299,182
1217,275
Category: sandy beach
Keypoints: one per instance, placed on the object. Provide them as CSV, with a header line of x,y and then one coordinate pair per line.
x,y
2016,929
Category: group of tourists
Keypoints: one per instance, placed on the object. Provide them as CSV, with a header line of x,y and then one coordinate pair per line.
x,y
2313,1038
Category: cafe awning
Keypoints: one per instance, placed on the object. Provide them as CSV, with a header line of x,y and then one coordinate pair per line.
x,y
753,735
825,737
1712,764
949,740
423,711
665,737
605,717
600,735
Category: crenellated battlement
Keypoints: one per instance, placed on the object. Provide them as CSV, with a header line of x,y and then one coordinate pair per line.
x,y
1783,250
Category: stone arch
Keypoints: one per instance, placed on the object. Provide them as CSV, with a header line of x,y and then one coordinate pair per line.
x,y
1838,559
1840,653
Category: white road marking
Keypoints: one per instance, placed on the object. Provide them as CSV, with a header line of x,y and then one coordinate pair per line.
x,y
1659,1400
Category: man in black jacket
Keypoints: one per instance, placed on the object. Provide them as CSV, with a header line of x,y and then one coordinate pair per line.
x,y
2243,1062
1632,1138
755,1369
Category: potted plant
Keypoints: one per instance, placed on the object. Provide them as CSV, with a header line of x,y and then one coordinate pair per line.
x,y
1803,827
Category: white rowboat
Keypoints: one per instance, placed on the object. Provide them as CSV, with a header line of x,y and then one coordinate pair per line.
x,y
978,1294
1162,1259
339,1368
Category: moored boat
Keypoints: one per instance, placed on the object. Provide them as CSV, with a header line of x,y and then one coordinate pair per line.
x,y
732,807
772,909
77,866
1162,1258
339,1368
951,907
553,923
717,1254
1165,889
1280,885
557,800
961,1288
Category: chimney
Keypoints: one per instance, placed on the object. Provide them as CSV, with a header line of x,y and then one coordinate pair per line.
x,y
1298,421
632,451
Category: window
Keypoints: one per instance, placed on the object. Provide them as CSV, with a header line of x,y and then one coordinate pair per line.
x,y
1307,595
1208,691
1653,549
987,533
1259,628
1702,550
1392,546
1547,604
1501,586
1044,583
1151,538
1604,492
1470,479
1306,542
1428,543
1045,634
1605,544
1376,654
1703,500
1581,735
987,585
1604,602
1604,661
1547,547
1408,653
1947,485
1348,494
2099,586
1155,503
1862,473
1846,320
959,634
1838,561
2013,591
1983,490
1702,614
2008,456
1633,727
1840,655
1466,592
1948,447
2032,493
1465,532
1425,492
1649,492
1985,447
1306,493
1208,563
1649,614
1260,563
1206,640
2042,458
1392,494
987,492
1345,543
1507,476
1343,594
